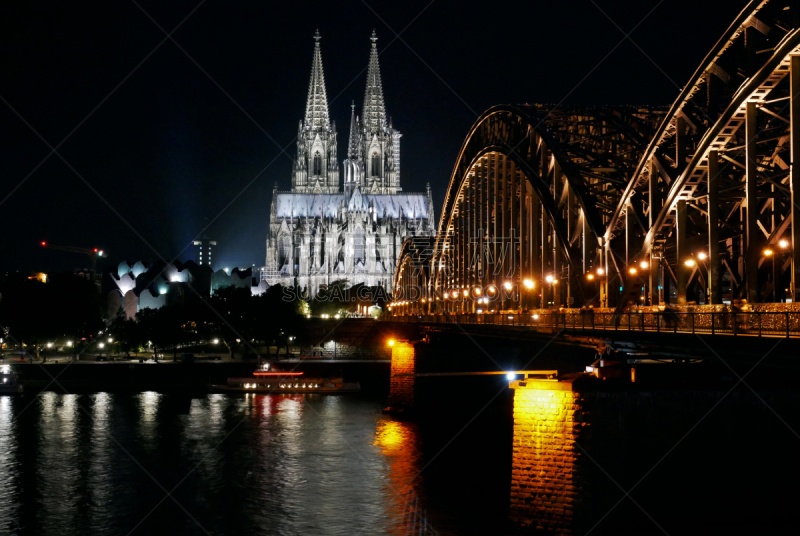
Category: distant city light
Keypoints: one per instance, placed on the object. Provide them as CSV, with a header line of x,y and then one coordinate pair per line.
x,y
101,345
590,276
783,243
600,271
690,263
508,285
216,341
391,342
529,283
644,265
702,256
549,278
632,270
768,252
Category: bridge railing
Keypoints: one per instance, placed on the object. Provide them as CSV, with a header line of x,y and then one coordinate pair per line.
x,y
753,323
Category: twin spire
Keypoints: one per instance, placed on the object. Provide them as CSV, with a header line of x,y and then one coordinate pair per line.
x,y
374,113
374,116
317,102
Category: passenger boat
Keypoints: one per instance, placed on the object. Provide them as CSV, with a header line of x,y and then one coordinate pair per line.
x,y
267,379
9,383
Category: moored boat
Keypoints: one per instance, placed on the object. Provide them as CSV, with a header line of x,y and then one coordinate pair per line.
x,y
267,379
9,382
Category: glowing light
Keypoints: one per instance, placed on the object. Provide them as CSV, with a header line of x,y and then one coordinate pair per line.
x,y
529,284
536,317
44,243
508,285
69,343
49,344
590,276
767,252
632,270
477,291
454,294
783,243
549,278
277,373
702,256
100,345
492,290
391,342
480,311
600,271
110,339
644,265
511,377
466,293
216,341
690,263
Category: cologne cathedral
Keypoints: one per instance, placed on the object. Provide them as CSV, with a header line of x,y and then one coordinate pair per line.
x,y
324,230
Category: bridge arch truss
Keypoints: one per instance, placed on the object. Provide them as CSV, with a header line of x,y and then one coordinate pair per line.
x,y
621,204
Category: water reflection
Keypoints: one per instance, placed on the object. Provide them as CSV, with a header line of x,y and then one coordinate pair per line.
x,y
99,464
398,442
9,467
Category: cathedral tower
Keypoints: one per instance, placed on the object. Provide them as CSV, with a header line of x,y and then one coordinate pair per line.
x,y
316,169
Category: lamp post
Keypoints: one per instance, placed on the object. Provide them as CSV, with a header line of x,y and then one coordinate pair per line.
x,y
770,254
529,285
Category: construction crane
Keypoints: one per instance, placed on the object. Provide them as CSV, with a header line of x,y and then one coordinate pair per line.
x,y
93,254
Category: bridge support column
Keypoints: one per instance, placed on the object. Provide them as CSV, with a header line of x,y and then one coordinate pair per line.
x,y
402,381
681,271
794,177
714,295
545,482
751,230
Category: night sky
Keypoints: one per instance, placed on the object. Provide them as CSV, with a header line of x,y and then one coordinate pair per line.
x,y
169,149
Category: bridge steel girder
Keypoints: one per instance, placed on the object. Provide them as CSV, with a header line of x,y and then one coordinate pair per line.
x,y
574,161
592,170
725,134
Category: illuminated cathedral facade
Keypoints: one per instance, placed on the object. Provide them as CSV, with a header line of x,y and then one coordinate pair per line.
x,y
326,229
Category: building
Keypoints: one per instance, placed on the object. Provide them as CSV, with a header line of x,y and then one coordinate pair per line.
x,y
140,286
204,246
324,230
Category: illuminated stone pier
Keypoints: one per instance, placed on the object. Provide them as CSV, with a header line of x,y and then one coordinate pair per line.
x,y
548,421
404,366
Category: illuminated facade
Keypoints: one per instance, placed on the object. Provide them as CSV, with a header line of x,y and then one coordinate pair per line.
x,y
322,230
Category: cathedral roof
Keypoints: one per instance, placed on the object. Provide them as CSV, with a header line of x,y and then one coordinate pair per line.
x,y
374,116
409,205
317,101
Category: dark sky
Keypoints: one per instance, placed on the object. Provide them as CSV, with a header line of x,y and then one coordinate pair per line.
x,y
170,147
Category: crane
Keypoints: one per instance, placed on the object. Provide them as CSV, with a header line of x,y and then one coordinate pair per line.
x,y
93,253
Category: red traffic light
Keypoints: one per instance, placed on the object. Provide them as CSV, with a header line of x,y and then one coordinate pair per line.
x,y
44,243
95,250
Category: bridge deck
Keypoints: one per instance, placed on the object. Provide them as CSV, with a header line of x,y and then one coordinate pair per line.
x,y
757,323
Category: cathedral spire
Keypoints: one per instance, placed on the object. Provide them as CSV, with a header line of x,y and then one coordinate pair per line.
x,y
317,102
374,116
352,144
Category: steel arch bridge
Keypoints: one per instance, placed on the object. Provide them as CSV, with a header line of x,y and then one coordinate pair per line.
x,y
612,205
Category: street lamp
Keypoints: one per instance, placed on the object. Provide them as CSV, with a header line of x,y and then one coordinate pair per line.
x,y
529,284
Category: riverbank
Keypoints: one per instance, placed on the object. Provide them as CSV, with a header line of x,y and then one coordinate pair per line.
x,y
166,376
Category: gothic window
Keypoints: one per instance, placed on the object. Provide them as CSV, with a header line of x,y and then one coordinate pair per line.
x,y
284,250
375,166
317,165
359,245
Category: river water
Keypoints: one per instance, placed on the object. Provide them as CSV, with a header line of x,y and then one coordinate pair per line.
x,y
155,463
252,464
